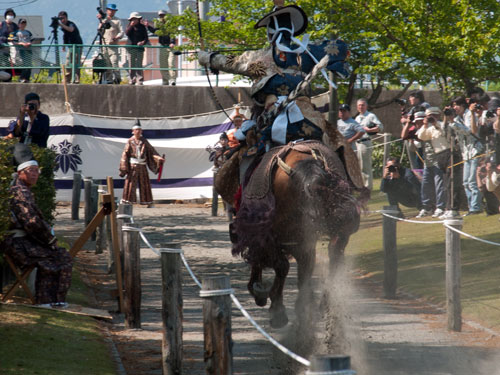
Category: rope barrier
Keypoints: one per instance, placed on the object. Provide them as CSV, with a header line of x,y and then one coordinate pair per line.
x,y
339,372
471,236
212,293
411,221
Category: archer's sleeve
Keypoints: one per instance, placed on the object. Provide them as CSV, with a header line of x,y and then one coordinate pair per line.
x,y
249,63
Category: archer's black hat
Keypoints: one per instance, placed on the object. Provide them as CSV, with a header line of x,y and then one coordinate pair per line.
x,y
22,156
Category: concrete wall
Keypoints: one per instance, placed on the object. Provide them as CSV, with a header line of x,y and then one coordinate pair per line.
x,y
157,101
120,100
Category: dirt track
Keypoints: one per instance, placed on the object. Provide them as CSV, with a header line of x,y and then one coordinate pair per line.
x,y
404,336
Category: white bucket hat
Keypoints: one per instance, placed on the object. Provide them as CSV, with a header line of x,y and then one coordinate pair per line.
x,y
134,15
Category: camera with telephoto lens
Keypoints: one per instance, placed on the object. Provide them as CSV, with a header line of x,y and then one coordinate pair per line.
x,y
400,101
31,106
55,22
478,106
392,168
105,23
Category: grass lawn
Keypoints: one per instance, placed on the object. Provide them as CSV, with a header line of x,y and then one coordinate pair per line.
x,y
48,342
421,259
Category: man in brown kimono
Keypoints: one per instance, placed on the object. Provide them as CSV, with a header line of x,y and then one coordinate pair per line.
x,y
31,240
138,154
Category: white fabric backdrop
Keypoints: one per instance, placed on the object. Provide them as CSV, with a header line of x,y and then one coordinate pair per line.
x,y
94,145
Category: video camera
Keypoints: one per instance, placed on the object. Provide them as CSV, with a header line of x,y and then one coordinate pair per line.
x,y
55,22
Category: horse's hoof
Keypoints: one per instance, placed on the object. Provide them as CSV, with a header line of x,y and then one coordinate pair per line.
x,y
279,318
261,301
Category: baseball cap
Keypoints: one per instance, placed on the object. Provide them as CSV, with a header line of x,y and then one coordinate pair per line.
x,y
162,11
345,107
419,115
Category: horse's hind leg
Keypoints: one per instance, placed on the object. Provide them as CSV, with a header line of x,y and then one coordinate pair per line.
x,y
306,260
277,310
336,249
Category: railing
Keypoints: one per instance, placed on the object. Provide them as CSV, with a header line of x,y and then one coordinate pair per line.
x,y
93,60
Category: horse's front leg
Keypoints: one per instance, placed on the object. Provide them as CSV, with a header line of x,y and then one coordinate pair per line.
x,y
336,249
277,310
256,288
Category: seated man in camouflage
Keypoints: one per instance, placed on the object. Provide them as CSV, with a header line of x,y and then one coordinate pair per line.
x,y
31,240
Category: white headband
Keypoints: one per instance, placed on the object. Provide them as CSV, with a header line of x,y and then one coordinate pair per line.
x,y
136,127
26,164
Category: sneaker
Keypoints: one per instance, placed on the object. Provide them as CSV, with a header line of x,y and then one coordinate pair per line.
x,y
45,305
423,213
438,212
60,305
471,213
449,215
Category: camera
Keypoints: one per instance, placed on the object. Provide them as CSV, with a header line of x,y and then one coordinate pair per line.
x,y
431,119
371,125
478,106
55,22
101,12
392,168
400,101
31,106
490,114
448,112
105,23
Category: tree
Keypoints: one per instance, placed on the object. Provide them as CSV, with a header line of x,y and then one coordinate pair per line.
x,y
450,42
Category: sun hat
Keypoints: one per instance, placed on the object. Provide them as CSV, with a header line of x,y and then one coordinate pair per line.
x,y
134,15
112,7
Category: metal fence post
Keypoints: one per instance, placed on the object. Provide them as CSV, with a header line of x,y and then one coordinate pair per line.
x,y
389,229
453,274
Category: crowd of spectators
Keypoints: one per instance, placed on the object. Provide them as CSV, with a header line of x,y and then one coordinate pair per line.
x,y
16,46
455,163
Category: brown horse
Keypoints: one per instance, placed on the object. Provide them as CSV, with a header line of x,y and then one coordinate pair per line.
x,y
310,195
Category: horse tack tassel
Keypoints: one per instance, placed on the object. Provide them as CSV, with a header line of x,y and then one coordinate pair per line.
x,y
288,170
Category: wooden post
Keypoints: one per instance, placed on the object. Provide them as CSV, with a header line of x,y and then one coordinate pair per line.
x,y
453,275
109,246
389,227
339,364
100,231
387,148
94,196
87,195
123,209
218,353
132,276
116,248
171,275
75,199
215,198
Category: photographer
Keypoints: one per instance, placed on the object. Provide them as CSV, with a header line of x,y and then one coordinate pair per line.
x,y
137,36
71,35
437,156
166,54
400,184
372,125
111,31
31,126
470,147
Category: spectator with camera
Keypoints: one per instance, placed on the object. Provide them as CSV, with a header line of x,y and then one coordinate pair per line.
x,y
111,31
371,125
400,184
137,36
485,166
465,127
437,157
348,127
166,54
71,36
31,126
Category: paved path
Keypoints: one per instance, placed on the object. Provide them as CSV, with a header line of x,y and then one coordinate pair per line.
x,y
405,336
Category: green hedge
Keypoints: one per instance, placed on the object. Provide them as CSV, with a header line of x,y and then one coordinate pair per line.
x,y
44,190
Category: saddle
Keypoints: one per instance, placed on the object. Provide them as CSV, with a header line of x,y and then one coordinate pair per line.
x,y
261,182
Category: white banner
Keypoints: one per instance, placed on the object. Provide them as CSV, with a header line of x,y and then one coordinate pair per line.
x,y
94,145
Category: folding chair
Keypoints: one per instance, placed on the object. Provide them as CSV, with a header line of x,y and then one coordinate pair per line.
x,y
21,277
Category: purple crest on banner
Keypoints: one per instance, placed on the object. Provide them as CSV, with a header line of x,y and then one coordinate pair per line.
x,y
67,156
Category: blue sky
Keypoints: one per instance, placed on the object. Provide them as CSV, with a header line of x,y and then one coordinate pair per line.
x,y
83,13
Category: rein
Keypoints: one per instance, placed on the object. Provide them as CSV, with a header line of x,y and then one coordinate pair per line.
x,y
289,170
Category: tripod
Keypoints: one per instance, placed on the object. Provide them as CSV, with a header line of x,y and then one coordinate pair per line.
x,y
54,42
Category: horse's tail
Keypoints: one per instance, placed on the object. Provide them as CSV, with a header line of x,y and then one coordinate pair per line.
x,y
326,197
